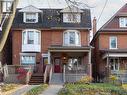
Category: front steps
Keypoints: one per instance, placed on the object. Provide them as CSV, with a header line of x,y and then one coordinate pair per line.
x,y
36,79
57,78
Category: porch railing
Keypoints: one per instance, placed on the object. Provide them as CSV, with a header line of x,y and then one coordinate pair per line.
x,y
12,72
121,75
75,73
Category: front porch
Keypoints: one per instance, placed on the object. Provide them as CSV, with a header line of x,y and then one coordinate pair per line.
x,y
69,64
116,64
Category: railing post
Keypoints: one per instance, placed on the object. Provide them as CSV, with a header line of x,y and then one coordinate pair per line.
x,y
64,74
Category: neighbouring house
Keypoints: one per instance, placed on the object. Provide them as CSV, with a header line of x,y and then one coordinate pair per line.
x,y
110,52
54,41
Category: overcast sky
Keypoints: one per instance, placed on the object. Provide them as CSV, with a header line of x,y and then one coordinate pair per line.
x,y
112,7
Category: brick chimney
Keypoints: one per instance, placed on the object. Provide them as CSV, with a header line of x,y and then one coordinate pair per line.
x,y
94,26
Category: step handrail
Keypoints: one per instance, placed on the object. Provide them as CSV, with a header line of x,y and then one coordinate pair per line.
x,y
50,73
45,74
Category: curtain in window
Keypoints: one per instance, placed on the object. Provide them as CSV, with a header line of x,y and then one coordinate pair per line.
x,y
24,37
113,42
65,38
72,38
30,37
37,37
28,60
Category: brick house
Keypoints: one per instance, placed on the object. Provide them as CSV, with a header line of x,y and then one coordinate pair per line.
x,y
110,52
54,41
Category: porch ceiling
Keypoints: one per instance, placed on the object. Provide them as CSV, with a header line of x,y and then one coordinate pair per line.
x,y
69,49
114,55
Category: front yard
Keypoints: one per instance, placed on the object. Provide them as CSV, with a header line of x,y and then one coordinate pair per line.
x,y
7,89
92,89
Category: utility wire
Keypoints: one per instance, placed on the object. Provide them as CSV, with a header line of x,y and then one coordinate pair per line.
x,y
102,11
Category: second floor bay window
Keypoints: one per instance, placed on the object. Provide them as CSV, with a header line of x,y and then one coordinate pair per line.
x,y
31,40
71,38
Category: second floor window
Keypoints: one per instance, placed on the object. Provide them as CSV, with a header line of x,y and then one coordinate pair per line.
x,y
31,36
123,22
113,42
30,17
71,38
71,17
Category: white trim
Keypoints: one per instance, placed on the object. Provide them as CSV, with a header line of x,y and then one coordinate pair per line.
x,y
69,50
114,55
68,44
114,63
24,17
110,42
27,54
35,47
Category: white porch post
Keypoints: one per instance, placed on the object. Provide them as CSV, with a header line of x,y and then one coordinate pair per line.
x,y
90,65
49,57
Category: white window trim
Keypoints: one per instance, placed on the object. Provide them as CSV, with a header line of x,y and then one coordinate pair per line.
x,y
65,20
110,42
114,64
124,22
24,18
27,54
67,31
34,30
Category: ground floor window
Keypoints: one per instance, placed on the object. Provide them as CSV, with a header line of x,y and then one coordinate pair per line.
x,y
28,59
74,64
114,64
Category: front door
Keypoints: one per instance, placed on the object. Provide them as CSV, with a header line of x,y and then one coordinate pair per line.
x,y
57,65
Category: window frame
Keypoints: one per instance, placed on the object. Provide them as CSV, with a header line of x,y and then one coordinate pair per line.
x,y
28,54
110,46
123,22
68,38
69,17
114,64
25,15
34,35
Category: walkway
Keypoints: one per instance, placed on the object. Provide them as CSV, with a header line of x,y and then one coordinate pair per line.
x,y
52,90
23,90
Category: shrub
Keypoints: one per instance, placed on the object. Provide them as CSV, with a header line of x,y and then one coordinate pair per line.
x,y
85,79
113,78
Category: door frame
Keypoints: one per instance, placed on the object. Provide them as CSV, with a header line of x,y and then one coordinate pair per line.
x,y
60,63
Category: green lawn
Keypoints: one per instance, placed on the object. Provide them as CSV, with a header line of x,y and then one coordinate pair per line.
x,y
92,89
37,90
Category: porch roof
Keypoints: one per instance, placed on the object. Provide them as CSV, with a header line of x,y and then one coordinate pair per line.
x,y
106,55
56,48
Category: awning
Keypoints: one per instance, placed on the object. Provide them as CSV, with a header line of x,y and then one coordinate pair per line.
x,y
114,55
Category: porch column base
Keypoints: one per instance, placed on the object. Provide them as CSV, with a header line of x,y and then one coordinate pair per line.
x,y
89,70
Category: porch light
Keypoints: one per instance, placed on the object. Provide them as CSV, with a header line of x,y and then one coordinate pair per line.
x,y
64,58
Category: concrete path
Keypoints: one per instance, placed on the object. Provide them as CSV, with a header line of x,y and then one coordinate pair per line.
x,y
23,89
52,90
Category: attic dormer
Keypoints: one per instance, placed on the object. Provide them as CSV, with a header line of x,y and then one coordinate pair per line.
x,y
71,14
30,14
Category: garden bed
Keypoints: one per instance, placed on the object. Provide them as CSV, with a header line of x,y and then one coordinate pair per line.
x,y
92,89
37,90
9,88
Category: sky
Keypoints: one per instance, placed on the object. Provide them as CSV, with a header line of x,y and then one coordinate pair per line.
x,y
96,7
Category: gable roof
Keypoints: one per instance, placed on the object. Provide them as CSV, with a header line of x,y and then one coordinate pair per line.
x,y
71,8
121,12
30,8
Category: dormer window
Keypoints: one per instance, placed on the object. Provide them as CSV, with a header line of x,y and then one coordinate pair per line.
x,y
72,17
30,17
30,14
71,14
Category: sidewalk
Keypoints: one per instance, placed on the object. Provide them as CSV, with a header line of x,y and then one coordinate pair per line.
x,y
52,90
24,89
